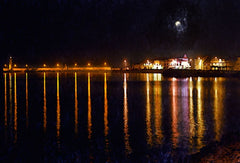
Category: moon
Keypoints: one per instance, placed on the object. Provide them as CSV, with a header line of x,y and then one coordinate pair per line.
x,y
177,23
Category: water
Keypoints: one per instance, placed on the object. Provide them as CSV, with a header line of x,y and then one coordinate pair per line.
x,y
110,117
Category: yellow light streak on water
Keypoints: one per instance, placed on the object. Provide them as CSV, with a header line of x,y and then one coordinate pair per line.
x,y
200,118
106,128
89,108
148,113
5,99
26,99
218,107
76,106
44,103
125,116
15,108
158,108
191,114
58,123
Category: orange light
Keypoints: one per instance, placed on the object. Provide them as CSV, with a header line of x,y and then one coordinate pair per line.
x,y
57,65
44,65
125,60
75,64
15,65
26,65
89,64
105,63
5,65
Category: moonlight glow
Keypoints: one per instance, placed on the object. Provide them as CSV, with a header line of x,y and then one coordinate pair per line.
x,y
177,23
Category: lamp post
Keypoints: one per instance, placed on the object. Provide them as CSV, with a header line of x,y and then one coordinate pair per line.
x,y
125,64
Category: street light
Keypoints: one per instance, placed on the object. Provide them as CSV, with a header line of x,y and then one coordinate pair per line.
x,y
44,65
75,64
105,63
125,63
89,64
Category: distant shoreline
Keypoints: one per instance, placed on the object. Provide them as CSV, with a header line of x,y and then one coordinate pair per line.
x,y
186,73
178,73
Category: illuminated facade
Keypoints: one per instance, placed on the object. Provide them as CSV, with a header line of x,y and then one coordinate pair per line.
x,y
218,64
198,64
158,64
147,65
178,63
155,65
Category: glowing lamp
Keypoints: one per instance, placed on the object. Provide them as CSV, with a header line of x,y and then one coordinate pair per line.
x,y
89,64
57,65
44,65
15,65
75,64
26,65
105,63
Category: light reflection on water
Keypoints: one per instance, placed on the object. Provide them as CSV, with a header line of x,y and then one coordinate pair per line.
x,y
192,129
89,108
153,110
218,106
175,109
200,120
5,99
125,116
186,108
148,112
76,106
10,102
26,99
157,90
58,123
15,108
44,104
106,128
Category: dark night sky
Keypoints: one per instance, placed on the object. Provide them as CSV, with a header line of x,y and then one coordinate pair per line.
x,y
37,31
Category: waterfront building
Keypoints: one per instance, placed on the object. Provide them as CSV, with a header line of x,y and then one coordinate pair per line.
x,y
198,63
150,64
236,66
147,65
178,63
218,64
158,64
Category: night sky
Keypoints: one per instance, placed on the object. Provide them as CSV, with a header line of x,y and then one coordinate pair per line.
x,y
47,31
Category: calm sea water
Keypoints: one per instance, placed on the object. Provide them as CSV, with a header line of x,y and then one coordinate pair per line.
x,y
110,117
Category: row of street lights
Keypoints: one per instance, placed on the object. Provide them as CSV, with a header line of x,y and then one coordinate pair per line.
x,y
125,64
58,65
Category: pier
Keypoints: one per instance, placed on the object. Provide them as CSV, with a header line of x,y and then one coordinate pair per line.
x,y
13,68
